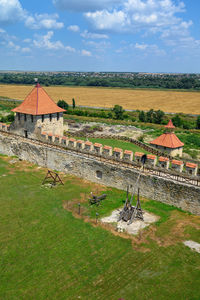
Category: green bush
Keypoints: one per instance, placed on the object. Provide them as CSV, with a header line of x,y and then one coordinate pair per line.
x,y
63,104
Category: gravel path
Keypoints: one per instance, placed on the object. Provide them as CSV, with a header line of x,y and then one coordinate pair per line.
x,y
133,228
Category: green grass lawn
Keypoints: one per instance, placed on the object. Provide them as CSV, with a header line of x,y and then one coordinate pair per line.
x,y
47,253
116,143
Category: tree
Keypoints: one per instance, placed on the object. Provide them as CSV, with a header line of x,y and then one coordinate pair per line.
x,y
150,116
142,116
119,112
177,121
73,103
158,116
110,115
198,123
63,104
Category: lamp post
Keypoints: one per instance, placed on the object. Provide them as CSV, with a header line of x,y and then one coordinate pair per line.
x,y
97,217
79,208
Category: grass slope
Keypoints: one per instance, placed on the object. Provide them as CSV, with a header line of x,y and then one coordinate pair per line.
x,y
116,143
46,253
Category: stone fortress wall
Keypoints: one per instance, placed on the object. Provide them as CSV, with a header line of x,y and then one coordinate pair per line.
x,y
153,161
111,167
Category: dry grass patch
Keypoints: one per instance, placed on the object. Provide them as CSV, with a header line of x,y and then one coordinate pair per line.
x,y
168,101
169,233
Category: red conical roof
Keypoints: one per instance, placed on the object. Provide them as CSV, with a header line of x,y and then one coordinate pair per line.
x,y
170,124
169,140
38,102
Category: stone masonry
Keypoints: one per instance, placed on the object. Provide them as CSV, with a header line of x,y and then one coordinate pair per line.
x,y
182,195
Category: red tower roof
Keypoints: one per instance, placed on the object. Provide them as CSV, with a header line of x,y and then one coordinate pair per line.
x,y
38,102
169,140
170,124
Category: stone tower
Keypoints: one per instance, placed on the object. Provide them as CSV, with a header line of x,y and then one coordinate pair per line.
x,y
37,113
169,142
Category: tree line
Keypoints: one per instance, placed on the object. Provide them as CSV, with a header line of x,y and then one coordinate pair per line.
x,y
167,81
118,113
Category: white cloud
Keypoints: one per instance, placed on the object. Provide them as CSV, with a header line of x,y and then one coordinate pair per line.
x,y
104,20
151,16
44,41
86,53
70,49
26,50
141,46
90,35
146,48
27,40
100,47
74,28
46,21
13,46
85,5
7,40
11,11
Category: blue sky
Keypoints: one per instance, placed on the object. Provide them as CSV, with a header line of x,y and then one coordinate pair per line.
x,y
100,35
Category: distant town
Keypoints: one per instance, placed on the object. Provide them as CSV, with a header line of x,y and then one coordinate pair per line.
x,y
105,79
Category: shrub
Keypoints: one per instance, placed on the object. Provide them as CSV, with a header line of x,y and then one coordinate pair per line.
x,y
63,104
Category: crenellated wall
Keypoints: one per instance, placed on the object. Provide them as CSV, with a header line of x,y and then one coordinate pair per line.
x,y
190,169
126,155
97,169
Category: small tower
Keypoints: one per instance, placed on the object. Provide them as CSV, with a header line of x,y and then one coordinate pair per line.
x,y
36,114
169,142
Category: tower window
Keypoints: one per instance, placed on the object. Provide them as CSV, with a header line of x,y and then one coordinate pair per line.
x,y
31,118
25,117
50,117
18,116
58,116
42,118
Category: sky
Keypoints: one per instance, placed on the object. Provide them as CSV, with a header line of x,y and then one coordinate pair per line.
x,y
100,35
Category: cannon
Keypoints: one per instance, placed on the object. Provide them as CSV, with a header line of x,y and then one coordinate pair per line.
x,y
96,199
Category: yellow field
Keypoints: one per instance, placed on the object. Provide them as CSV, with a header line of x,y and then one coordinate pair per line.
x,y
168,101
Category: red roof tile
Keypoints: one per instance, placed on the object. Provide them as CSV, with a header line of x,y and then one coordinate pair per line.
x,y
117,150
80,141
97,145
107,147
139,154
37,103
88,143
128,152
190,165
170,124
177,162
161,158
72,140
150,156
169,140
